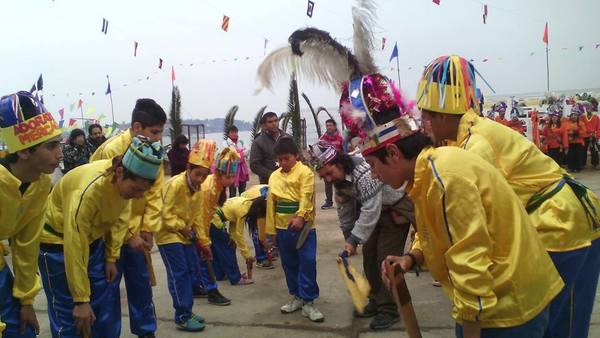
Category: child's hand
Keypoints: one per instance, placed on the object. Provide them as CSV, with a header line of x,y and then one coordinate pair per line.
x,y
187,233
296,223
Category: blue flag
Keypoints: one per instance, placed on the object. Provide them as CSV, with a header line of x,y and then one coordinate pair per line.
x,y
108,91
394,52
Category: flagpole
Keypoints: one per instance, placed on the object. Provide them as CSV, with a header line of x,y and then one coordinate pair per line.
x,y
112,108
547,69
398,70
82,119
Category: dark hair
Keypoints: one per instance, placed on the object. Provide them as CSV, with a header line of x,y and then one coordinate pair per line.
x,y
117,162
286,145
14,158
331,121
232,128
258,209
267,116
222,198
344,161
92,126
76,133
180,139
552,123
148,113
410,146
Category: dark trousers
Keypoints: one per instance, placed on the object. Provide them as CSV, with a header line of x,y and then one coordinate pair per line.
x,y
224,261
557,155
180,262
592,146
10,307
576,156
240,189
388,238
328,193
299,265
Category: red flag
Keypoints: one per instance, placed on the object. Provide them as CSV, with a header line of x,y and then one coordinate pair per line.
x,y
61,112
484,60
437,2
80,103
172,73
160,63
135,45
545,38
72,122
225,24
382,43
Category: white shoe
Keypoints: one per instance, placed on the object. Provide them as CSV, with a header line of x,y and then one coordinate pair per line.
x,y
294,305
310,311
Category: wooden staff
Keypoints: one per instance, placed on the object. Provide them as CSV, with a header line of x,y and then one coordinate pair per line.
x,y
150,267
403,300
249,265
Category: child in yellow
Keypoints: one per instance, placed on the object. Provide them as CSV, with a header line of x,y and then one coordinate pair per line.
x,y
291,216
24,188
147,122
234,215
213,195
181,219
84,231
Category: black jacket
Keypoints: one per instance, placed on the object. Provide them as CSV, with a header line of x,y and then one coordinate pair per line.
x,y
262,155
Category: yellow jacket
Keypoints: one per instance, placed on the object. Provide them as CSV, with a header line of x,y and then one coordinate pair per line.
x,y
235,211
560,221
478,241
297,186
210,192
146,212
181,209
21,219
83,207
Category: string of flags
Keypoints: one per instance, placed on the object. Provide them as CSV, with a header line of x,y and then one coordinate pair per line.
x,y
225,23
310,8
104,26
485,13
382,43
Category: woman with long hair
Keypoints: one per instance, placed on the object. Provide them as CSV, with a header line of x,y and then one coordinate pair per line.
x,y
555,138
575,132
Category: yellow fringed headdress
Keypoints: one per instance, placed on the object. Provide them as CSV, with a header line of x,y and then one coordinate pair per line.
x,y
203,153
448,86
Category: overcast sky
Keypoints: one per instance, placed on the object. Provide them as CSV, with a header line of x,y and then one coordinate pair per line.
x,y
63,40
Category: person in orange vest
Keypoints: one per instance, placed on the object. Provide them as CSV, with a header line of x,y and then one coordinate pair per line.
x,y
575,133
592,130
554,134
516,124
500,108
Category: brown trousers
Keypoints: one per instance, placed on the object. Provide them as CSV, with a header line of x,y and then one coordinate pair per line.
x,y
388,238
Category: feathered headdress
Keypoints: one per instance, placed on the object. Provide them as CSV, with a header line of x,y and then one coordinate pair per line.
x,y
369,102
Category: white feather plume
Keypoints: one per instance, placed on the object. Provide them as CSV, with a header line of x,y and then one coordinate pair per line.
x,y
364,19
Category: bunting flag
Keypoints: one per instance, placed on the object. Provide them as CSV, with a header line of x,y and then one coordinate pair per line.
x,y
80,103
394,52
72,122
101,117
61,123
61,112
597,45
484,60
90,111
265,48
382,43
545,37
485,13
172,73
160,63
135,46
437,2
71,107
580,48
104,26
310,8
108,91
225,23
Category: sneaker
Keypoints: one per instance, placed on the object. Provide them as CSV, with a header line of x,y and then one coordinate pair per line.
x,y
198,318
436,283
310,311
294,305
191,325
265,264
369,311
216,298
384,320
327,205
245,280
148,335
199,292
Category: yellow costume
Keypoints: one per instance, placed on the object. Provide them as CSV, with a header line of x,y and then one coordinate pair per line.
x,y
210,190
22,224
145,212
477,240
234,211
560,221
290,194
181,209
85,206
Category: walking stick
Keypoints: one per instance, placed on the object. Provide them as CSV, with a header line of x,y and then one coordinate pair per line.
x,y
403,300
150,267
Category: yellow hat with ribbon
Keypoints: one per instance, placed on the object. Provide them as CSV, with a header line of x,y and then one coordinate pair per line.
x,y
25,122
228,161
448,86
203,153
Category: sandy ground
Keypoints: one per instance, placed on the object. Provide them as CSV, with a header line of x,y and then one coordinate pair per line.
x,y
255,308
